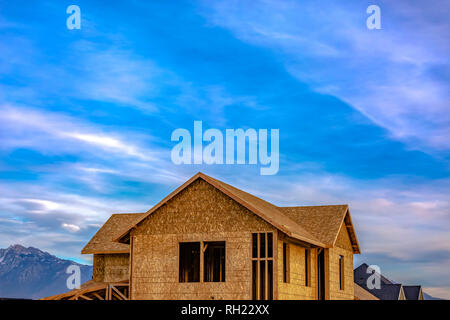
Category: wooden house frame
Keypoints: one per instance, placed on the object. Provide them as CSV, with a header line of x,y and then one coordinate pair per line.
x,y
258,250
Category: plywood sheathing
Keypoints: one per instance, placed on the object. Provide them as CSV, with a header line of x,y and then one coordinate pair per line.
x,y
296,289
343,247
198,213
111,267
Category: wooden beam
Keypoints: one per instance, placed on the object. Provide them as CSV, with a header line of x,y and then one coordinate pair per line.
x,y
119,284
119,293
84,297
115,295
99,297
299,242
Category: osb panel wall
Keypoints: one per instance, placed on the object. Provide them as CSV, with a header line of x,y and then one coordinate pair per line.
x,y
343,239
98,269
342,247
111,267
199,213
296,289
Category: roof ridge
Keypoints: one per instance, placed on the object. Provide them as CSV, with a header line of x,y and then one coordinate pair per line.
x,y
315,206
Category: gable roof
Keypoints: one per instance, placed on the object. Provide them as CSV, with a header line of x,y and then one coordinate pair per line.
x,y
412,292
388,289
324,222
388,292
291,220
360,275
103,240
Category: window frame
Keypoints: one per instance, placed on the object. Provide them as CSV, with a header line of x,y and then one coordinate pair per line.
x,y
263,262
286,263
180,277
204,249
341,272
201,261
307,267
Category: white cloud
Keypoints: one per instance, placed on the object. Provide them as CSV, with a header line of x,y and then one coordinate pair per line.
x,y
70,227
109,143
42,206
51,132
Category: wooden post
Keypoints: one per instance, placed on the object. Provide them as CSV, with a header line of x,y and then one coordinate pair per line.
x,y
327,273
130,275
275,265
266,263
317,272
258,269
202,267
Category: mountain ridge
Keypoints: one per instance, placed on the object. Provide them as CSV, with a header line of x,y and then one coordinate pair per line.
x,y
30,273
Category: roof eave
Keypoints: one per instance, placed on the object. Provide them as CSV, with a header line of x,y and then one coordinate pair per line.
x,y
104,251
298,237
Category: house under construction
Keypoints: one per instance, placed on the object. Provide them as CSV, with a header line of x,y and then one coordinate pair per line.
x,y
210,240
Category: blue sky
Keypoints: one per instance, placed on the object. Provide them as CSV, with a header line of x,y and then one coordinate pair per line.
x,y
86,116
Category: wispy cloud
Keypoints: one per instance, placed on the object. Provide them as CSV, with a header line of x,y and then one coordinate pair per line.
x,y
36,129
117,76
391,75
70,227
